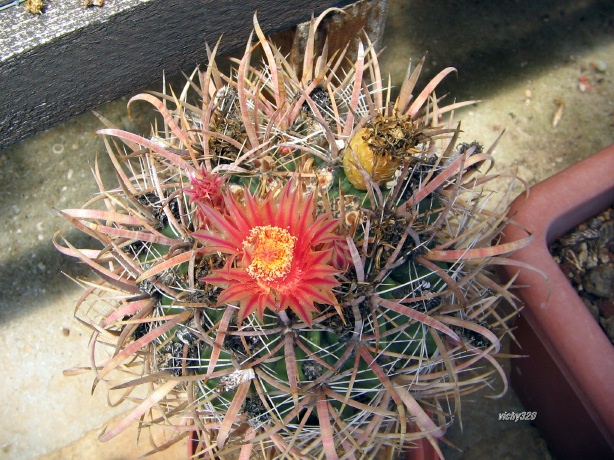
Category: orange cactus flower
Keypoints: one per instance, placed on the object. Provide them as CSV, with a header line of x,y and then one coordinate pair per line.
x,y
280,253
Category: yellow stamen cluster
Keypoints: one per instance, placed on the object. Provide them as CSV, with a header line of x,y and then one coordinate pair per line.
x,y
271,250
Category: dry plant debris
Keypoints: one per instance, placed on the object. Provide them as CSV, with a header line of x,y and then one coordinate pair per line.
x,y
34,6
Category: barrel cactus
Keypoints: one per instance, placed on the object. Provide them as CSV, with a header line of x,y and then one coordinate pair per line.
x,y
293,265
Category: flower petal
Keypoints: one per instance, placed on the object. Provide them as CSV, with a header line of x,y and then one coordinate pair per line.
x,y
216,243
220,223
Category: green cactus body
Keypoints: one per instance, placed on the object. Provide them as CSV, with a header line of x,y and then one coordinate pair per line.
x,y
277,309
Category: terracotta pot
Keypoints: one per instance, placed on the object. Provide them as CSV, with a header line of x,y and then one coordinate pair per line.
x,y
568,376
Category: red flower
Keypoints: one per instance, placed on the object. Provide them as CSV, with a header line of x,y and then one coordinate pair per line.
x,y
280,253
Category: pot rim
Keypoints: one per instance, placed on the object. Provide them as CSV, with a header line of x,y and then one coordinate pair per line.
x,y
553,308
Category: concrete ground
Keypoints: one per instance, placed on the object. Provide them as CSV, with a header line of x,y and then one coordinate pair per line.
x,y
525,60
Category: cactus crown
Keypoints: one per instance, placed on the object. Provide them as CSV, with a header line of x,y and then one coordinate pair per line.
x,y
293,265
